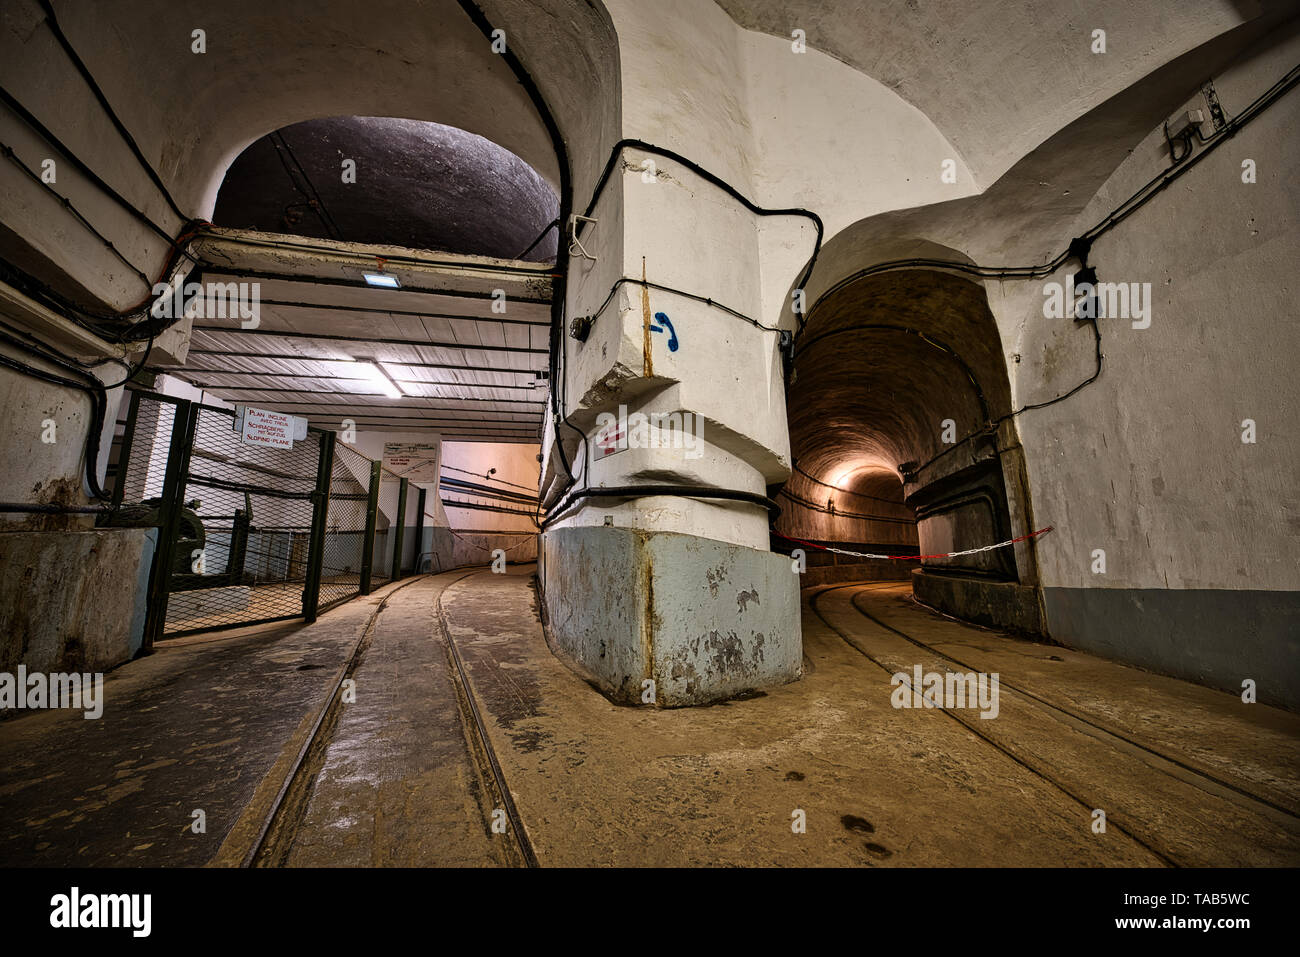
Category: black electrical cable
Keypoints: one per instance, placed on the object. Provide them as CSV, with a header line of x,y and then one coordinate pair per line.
x,y
47,296
452,484
628,280
98,392
1108,222
451,468
841,491
456,503
8,152
717,181
992,427
116,327
647,491
30,119
1185,138
71,52
558,292
1078,247
1159,182
74,365
54,355
721,184
98,404
842,513
308,189
923,336
553,224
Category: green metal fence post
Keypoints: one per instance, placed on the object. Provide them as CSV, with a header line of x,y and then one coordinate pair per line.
x,y
372,520
401,527
320,509
171,506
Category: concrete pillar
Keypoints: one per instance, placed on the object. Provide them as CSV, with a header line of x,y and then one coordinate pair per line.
x,y
676,590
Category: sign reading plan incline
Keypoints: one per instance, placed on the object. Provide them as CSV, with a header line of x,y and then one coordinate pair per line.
x,y
276,429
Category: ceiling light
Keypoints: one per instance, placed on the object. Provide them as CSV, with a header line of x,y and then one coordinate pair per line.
x,y
382,279
376,375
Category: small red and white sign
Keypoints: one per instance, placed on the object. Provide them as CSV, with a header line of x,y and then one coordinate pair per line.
x,y
274,429
610,440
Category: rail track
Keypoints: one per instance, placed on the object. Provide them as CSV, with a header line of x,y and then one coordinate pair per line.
x,y
275,837
1153,757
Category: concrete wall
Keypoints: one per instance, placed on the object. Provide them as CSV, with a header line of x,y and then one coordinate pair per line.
x,y
1148,464
451,536
73,601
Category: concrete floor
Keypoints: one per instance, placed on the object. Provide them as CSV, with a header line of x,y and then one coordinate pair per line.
x,y
1186,776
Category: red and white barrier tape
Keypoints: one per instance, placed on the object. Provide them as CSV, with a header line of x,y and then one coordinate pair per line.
x,y
916,558
488,548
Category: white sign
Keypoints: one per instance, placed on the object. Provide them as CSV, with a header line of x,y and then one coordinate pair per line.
x,y
274,429
611,439
414,461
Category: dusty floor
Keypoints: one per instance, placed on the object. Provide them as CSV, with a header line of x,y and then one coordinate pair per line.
x,y
398,776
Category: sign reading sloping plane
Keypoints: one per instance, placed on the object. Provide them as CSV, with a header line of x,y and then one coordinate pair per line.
x,y
275,429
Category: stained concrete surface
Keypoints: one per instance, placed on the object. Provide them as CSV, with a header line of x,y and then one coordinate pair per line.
x,y
43,620
197,725
1178,631
706,620
602,784
1186,775
397,784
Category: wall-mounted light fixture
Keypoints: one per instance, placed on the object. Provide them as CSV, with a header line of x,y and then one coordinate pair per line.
x,y
382,280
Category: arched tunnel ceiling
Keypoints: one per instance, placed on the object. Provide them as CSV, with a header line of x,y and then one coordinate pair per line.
x,y
267,66
997,77
417,184
870,481
877,396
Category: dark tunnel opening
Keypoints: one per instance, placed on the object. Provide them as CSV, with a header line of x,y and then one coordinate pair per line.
x,y
897,378
387,180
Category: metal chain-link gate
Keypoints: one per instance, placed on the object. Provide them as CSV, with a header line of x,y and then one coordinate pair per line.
x,y
250,534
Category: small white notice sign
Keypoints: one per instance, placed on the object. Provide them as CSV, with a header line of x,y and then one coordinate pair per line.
x,y
414,461
274,429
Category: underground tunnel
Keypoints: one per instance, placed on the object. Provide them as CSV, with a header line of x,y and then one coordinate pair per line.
x,y
897,386
592,434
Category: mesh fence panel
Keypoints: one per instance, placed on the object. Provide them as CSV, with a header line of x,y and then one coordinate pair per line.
x,y
345,526
243,533
386,526
142,459
242,548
